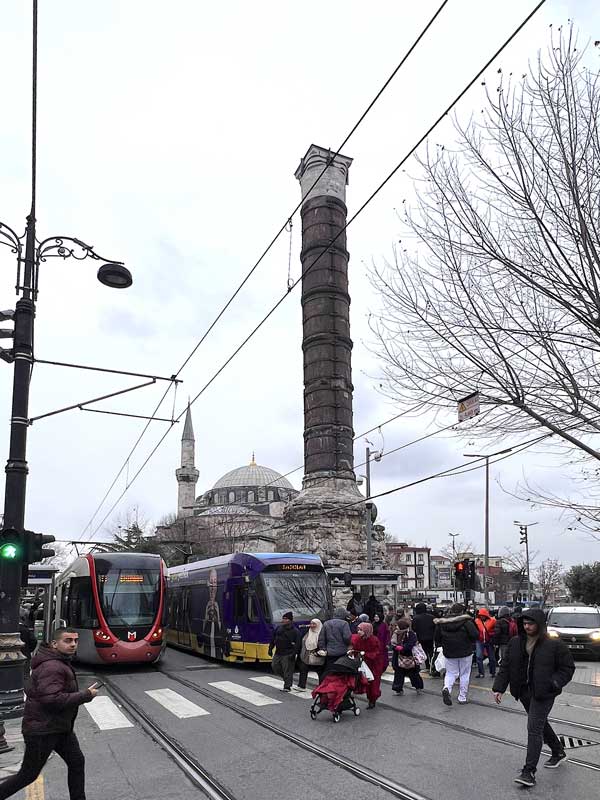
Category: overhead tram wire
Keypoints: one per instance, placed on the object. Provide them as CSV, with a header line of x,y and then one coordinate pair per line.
x,y
268,248
371,197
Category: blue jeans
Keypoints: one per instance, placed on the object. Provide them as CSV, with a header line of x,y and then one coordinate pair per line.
x,y
479,653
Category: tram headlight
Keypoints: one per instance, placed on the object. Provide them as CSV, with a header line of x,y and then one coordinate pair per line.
x,y
103,637
157,634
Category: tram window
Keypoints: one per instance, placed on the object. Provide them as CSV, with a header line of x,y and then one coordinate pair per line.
x,y
238,603
253,615
64,603
260,599
81,604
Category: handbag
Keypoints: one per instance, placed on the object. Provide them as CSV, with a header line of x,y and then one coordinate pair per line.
x,y
366,671
419,654
406,662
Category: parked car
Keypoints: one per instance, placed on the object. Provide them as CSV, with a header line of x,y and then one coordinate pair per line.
x,y
578,627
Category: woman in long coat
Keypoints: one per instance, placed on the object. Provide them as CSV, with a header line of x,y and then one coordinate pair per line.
x,y
364,641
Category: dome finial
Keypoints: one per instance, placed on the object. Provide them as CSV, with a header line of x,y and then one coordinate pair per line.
x,y
253,462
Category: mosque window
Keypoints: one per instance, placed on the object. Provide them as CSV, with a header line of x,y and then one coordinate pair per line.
x,y
232,497
270,495
251,497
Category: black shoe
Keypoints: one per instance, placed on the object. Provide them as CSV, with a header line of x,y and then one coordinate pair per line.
x,y
398,691
526,778
446,697
555,760
371,704
480,676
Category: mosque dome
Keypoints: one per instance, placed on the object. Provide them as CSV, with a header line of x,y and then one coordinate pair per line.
x,y
253,475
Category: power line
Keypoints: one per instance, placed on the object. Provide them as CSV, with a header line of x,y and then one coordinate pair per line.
x,y
326,249
268,248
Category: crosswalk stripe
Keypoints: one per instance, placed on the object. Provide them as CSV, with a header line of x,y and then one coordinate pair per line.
x,y
177,704
244,693
106,715
271,680
35,790
387,677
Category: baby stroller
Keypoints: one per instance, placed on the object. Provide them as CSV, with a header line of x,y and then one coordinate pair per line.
x,y
336,691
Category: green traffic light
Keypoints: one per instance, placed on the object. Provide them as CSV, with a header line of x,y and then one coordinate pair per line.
x,y
9,551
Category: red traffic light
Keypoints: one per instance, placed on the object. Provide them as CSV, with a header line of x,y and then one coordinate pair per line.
x,y
460,566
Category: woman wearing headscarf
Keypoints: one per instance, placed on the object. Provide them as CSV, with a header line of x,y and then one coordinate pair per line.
x,y
366,642
405,666
382,632
309,654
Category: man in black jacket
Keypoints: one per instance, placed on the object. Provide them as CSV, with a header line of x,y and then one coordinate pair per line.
x,y
287,642
536,668
422,625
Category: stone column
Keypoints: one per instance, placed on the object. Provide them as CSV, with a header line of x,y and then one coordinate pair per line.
x,y
327,517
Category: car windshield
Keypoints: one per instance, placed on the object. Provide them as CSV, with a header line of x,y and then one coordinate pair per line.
x,y
567,619
305,594
129,596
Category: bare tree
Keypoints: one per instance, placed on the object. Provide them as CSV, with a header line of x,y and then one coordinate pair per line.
x,y
502,293
515,563
461,550
549,578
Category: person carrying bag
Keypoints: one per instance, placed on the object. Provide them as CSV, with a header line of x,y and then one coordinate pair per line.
x,y
311,658
404,662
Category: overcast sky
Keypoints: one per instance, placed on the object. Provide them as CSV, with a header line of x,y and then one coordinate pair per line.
x,y
168,137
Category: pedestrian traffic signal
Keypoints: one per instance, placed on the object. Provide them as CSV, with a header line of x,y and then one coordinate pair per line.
x,y
11,545
460,574
34,546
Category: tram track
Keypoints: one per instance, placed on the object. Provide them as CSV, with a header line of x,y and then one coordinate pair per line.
x,y
357,770
186,762
334,757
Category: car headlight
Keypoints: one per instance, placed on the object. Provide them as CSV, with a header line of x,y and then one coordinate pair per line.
x,y
553,634
595,636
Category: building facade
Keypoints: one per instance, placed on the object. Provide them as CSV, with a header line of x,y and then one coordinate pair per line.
x,y
413,564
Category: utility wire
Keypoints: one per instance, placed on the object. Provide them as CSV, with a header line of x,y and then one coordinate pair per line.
x,y
267,249
371,197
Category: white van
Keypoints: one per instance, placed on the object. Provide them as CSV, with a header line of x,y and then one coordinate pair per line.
x,y
578,627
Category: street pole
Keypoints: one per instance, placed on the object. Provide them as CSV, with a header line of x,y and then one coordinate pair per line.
x,y
527,562
369,521
11,659
486,549
452,575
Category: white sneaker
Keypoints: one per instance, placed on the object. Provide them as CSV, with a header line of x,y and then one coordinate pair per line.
x,y
462,700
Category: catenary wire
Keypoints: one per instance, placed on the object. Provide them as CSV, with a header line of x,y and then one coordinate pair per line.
x,y
342,230
266,251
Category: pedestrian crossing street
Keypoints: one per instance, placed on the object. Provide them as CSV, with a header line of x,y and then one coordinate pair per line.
x,y
107,715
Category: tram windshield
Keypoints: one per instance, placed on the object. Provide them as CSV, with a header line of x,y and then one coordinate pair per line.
x,y
305,594
129,596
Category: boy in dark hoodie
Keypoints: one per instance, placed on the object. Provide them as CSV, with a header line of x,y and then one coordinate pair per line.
x,y
457,634
53,699
536,668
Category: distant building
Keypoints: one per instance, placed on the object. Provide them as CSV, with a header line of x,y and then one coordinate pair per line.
x,y
242,511
441,572
413,564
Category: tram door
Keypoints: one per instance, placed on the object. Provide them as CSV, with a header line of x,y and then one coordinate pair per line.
x,y
184,636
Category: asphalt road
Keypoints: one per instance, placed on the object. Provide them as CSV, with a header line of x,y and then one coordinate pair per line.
x,y
258,742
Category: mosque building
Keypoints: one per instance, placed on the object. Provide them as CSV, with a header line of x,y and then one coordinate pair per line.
x,y
242,511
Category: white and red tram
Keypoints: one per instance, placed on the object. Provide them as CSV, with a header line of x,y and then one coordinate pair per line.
x,y
116,603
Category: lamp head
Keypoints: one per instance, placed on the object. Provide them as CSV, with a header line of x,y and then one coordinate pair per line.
x,y
115,275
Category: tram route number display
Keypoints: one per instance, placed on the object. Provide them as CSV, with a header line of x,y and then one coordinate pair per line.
x,y
294,567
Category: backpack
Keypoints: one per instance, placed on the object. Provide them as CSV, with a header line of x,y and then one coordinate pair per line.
x,y
513,629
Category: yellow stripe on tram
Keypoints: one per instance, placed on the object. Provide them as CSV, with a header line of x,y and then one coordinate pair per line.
x,y
35,790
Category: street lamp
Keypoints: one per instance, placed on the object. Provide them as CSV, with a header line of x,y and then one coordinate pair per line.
x,y
30,255
486,556
524,533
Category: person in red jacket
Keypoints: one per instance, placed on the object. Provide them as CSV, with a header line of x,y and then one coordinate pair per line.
x,y
364,641
485,626
53,700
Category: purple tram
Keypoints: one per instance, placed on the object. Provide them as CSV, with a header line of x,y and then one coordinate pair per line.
x,y
227,607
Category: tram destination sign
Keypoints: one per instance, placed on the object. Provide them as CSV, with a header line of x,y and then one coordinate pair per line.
x,y
468,407
293,568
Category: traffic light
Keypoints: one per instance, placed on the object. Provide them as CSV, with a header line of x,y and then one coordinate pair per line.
x,y
34,546
460,575
473,582
11,546
523,532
